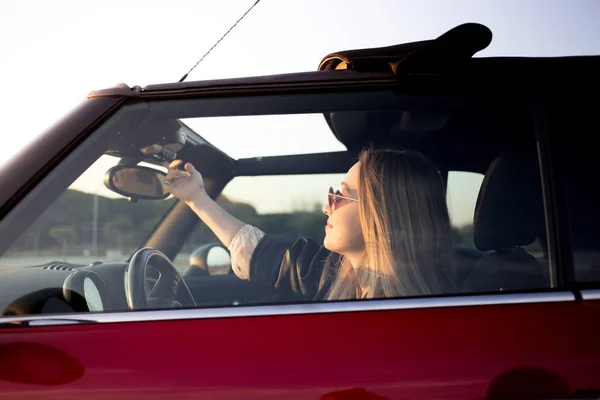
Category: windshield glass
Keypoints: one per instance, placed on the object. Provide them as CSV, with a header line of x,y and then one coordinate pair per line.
x,y
87,223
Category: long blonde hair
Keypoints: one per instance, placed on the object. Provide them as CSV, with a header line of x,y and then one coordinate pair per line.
x,y
405,225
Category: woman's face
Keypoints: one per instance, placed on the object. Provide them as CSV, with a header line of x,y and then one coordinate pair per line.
x,y
342,232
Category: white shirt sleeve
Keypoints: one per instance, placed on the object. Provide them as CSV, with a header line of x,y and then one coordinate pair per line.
x,y
241,248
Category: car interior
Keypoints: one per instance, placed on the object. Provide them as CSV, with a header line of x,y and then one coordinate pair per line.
x,y
494,137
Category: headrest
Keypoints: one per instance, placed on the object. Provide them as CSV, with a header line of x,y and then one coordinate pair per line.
x,y
197,261
206,256
449,50
509,208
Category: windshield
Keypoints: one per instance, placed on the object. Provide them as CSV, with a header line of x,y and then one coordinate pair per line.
x,y
86,224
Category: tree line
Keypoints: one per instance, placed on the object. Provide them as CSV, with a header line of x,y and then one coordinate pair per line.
x,y
67,226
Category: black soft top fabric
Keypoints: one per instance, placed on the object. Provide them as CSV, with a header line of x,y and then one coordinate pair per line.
x,y
446,52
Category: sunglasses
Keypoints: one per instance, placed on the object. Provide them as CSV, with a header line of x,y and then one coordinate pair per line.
x,y
336,200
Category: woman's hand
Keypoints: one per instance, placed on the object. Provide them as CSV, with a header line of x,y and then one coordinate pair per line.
x,y
187,185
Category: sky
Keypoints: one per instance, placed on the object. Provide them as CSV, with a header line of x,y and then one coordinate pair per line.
x,y
54,53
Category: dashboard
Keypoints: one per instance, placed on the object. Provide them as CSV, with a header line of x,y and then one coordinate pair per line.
x,y
60,287
63,288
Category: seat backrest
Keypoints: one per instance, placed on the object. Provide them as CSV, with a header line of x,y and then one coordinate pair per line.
x,y
508,215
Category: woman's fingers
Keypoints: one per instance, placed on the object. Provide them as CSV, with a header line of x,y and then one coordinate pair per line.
x,y
174,174
189,168
174,164
178,172
175,177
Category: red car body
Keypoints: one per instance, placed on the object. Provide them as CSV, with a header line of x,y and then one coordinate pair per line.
x,y
485,351
523,345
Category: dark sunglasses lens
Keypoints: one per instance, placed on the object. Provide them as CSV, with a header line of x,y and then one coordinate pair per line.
x,y
332,200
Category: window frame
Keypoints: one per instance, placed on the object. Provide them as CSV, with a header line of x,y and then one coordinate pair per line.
x,y
494,299
558,294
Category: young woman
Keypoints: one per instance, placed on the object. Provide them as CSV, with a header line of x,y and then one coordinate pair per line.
x,y
388,233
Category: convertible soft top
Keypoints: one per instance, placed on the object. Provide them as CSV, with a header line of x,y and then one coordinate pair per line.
x,y
449,51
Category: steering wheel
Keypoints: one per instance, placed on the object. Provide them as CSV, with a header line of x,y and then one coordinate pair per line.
x,y
170,290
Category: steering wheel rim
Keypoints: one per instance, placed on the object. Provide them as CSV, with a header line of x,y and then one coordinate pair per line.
x,y
170,281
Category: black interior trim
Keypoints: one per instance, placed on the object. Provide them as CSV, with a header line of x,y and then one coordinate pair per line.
x,y
321,163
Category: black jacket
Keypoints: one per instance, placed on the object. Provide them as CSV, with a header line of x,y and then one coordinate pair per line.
x,y
298,271
305,270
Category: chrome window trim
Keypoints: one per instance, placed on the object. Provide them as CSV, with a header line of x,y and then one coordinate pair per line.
x,y
288,309
591,294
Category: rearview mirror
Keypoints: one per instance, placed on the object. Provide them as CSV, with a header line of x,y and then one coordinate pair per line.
x,y
137,182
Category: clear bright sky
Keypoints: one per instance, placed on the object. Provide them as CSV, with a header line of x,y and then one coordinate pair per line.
x,y
53,53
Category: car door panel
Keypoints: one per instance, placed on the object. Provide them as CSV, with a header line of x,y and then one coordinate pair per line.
x,y
448,352
228,290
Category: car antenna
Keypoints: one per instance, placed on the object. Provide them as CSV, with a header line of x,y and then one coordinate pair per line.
x,y
218,41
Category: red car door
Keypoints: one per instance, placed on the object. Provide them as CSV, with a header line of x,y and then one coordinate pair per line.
x,y
496,346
